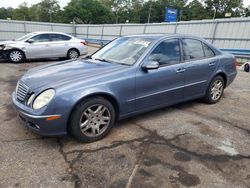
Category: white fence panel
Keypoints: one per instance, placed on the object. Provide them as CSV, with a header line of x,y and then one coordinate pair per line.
x,y
224,33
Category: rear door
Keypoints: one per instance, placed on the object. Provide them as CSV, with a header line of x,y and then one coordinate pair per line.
x,y
200,64
60,44
164,85
40,48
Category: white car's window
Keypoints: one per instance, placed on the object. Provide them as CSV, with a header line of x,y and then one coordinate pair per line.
x,y
125,50
59,37
41,38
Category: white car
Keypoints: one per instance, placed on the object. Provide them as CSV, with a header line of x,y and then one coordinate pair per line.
x,y
43,45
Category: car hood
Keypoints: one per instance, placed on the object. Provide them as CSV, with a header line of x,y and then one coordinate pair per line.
x,y
67,72
9,43
6,42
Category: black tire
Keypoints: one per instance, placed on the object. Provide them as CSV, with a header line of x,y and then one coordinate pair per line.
x,y
209,97
78,115
16,56
73,53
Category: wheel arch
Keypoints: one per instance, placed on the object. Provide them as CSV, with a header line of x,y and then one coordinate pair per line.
x,y
73,48
223,75
15,48
106,96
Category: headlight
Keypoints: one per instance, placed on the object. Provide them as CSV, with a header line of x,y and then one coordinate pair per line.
x,y
43,99
31,98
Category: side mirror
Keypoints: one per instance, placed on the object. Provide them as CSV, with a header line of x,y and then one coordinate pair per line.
x,y
151,65
30,41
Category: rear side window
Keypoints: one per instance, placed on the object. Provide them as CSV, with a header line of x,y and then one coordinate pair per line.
x,y
208,51
167,52
59,37
193,49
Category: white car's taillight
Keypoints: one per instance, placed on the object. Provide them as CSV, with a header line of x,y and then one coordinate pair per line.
x,y
84,43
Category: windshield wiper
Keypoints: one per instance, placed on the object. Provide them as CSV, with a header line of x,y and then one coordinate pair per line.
x,y
102,59
110,61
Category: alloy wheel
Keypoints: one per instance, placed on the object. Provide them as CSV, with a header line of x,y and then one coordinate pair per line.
x,y
216,90
16,56
73,54
95,120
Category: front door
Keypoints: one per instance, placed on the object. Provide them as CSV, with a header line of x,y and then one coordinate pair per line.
x,y
40,47
162,86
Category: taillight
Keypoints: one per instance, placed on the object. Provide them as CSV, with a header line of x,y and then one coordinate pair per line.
x,y
235,62
83,42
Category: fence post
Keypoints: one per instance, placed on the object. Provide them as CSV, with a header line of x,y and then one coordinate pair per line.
x,y
214,31
75,32
175,29
102,35
121,30
51,27
25,27
87,32
145,26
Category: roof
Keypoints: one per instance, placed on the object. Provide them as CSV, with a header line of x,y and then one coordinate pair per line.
x,y
44,32
160,35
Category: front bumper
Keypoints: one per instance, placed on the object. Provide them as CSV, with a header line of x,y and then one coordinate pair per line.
x,y
46,125
3,54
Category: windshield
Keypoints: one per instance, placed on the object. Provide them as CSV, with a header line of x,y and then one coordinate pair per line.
x,y
25,37
125,50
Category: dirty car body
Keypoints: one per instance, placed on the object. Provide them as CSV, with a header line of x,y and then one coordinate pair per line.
x,y
150,80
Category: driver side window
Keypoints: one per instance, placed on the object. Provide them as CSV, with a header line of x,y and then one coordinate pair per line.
x,y
41,38
167,53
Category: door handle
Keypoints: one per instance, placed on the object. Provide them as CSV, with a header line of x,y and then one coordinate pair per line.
x,y
180,70
211,64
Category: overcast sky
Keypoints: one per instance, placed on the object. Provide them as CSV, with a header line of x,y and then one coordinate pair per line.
x,y
15,3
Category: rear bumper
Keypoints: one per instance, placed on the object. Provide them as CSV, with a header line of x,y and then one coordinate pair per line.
x,y
39,123
231,78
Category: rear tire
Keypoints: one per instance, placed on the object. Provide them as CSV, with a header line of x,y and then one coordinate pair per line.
x,y
92,119
215,90
16,56
73,54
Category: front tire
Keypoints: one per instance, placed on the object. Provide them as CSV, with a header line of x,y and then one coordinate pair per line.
x,y
16,56
92,119
215,90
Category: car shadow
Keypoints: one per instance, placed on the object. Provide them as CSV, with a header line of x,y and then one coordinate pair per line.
x,y
158,112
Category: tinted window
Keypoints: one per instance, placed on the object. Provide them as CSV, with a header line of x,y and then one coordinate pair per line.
x,y
59,37
208,52
192,49
167,52
41,38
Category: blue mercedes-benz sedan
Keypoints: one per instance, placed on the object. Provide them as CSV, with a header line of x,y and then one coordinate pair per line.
x,y
128,76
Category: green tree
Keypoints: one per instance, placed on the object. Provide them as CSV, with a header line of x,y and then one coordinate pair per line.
x,y
47,11
88,12
21,12
218,8
247,11
5,13
195,11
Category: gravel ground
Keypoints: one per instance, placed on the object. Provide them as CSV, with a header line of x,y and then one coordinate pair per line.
x,y
190,144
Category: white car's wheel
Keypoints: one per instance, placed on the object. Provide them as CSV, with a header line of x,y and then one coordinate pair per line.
x,y
73,54
16,56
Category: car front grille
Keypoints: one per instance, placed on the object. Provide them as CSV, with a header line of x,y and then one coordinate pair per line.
x,y
21,91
